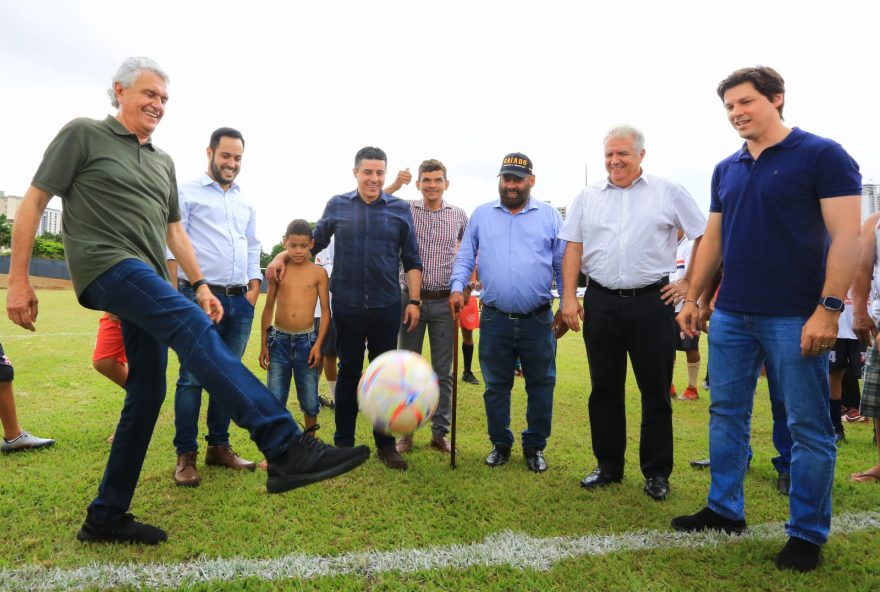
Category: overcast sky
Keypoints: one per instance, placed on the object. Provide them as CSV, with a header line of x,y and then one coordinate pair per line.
x,y
310,83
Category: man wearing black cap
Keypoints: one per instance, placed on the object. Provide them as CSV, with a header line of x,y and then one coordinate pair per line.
x,y
621,234
515,239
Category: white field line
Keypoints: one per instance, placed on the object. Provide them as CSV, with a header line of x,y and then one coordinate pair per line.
x,y
503,549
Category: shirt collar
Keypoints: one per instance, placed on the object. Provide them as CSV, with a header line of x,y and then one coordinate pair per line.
x,y
352,195
120,130
206,180
420,203
643,178
794,138
530,205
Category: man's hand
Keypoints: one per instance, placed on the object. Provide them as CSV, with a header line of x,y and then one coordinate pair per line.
x,y
411,317
209,303
560,327
21,305
403,178
572,313
864,327
316,360
276,268
456,303
820,332
675,292
252,294
264,357
689,319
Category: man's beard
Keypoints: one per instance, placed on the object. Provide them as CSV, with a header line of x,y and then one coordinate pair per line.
x,y
516,201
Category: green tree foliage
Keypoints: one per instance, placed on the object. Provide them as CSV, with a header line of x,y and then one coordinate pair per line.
x,y
5,231
47,248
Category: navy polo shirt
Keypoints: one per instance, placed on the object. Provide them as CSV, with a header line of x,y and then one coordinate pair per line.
x,y
372,241
774,241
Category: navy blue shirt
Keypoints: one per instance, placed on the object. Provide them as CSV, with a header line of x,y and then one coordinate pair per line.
x,y
371,242
774,241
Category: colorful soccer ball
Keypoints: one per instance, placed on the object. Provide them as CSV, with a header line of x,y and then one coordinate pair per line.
x,y
398,392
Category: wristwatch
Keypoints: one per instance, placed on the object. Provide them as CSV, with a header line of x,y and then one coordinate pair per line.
x,y
832,303
416,302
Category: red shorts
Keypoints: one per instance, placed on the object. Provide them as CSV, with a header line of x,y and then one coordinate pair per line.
x,y
470,314
109,344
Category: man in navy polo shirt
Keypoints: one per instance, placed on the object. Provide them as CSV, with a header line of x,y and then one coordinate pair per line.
x,y
784,217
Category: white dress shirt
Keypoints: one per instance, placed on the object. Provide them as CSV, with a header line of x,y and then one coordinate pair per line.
x,y
629,235
222,229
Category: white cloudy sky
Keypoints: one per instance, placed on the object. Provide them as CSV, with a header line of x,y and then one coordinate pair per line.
x,y
463,81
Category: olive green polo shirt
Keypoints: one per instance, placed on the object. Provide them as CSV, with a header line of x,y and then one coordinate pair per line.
x,y
119,196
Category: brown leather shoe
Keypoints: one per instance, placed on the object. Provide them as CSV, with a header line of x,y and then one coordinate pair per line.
x,y
392,458
186,474
224,456
404,444
442,444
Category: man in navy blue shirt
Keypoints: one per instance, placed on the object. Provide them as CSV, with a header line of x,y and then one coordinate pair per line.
x,y
373,233
784,218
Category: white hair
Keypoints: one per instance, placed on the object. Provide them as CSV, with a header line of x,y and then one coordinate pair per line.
x,y
622,132
128,73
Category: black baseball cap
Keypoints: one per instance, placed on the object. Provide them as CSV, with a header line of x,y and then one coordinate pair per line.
x,y
516,163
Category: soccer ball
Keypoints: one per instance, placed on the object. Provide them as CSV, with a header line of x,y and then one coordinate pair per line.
x,y
398,392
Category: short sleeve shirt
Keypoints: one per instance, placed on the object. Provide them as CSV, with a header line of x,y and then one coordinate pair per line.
x,y
774,241
119,196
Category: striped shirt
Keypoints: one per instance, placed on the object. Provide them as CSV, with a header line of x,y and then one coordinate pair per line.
x,y
438,234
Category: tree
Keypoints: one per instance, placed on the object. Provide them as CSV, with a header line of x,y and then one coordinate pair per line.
x,y
47,248
5,231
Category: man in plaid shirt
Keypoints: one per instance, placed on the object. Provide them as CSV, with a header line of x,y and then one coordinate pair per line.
x,y
439,227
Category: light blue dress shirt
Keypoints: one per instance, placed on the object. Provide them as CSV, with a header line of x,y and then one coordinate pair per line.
x,y
222,229
519,255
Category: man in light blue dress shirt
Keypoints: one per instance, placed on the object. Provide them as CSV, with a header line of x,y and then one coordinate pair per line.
x,y
516,241
221,225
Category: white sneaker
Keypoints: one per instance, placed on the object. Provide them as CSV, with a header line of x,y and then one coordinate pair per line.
x,y
24,441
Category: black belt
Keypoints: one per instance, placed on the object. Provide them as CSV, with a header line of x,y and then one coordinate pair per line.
x,y
628,292
522,315
233,290
434,294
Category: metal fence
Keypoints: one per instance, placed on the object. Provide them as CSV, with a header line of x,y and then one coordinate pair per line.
x,y
50,268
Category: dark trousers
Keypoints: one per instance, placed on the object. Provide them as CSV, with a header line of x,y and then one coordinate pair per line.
x,y
357,329
643,327
155,316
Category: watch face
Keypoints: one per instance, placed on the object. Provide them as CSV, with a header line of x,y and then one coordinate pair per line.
x,y
832,303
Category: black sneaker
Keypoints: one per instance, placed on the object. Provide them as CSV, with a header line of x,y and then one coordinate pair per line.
x,y
706,519
325,402
799,555
126,530
307,460
469,378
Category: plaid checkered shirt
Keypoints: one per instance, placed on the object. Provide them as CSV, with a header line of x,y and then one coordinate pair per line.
x,y
438,234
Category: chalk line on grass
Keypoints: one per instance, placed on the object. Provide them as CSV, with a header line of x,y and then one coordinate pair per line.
x,y
506,548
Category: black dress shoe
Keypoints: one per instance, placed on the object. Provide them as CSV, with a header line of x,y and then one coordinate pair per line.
x,y
598,478
657,488
701,464
783,483
535,460
498,456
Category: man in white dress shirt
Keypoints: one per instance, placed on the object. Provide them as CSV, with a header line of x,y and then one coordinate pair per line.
x,y
621,233
221,224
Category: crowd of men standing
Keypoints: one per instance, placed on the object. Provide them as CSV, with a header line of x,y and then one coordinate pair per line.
x,y
402,269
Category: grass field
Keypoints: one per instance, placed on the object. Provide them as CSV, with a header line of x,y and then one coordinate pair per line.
x,y
430,528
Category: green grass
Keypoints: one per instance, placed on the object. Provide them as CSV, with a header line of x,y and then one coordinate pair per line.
x,y
43,495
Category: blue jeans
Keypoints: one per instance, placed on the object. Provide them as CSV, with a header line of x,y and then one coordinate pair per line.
x,y
234,329
502,340
290,352
356,328
738,345
155,316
